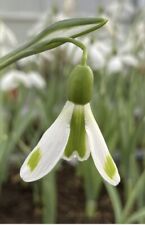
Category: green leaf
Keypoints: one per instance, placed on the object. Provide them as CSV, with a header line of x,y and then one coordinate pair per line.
x,y
20,125
75,27
92,186
133,195
116,202
49,198
45,39
136,216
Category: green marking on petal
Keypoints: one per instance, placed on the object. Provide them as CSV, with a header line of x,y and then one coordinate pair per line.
x,y
34,159
77,137
109,167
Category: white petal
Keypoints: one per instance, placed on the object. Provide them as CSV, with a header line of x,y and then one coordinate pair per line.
x,y
96,58
36,80
130,60
115,65
99,148
51,146
13,79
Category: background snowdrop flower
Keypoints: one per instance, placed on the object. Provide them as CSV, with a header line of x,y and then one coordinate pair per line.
x,y
15,78
35,80
47,55
130,60
74,134
28,60
114,65
75,55
96,58
12,80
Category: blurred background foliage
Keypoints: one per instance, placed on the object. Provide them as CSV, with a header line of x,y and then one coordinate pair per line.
x,y
32,93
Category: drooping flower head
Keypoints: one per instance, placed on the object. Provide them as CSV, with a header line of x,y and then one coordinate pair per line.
x,y
74,133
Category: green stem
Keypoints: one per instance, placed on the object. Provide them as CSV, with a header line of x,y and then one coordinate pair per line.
x,y
78,44
41,47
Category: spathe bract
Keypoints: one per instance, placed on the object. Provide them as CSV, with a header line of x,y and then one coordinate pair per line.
x,y
46,39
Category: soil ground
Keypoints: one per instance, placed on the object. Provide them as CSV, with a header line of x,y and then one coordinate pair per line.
x,y
16,205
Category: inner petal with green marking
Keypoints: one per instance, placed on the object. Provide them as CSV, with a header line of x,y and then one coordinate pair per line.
x,y
77,137
34,159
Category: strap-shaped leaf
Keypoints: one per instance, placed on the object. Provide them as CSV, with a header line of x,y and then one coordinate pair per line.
x,y
71,28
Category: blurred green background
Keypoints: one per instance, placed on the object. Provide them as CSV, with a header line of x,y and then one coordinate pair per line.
x,y
32,93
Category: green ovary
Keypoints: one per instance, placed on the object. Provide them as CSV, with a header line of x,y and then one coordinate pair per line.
x,y
109,167
34,159
77,137
80,85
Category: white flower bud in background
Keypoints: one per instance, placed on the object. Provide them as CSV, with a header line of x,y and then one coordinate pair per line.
x,y
14,78
130,60
115,65
27,60
35,80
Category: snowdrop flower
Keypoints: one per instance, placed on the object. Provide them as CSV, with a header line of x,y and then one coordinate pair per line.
x,y
14,78
36,80
96,57
130,60
123,59
74,134
28,60
116,63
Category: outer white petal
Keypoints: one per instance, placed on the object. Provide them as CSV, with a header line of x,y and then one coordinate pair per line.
x,y
51,145
96,58
13,79
130,60
36,80
98,146
115,65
